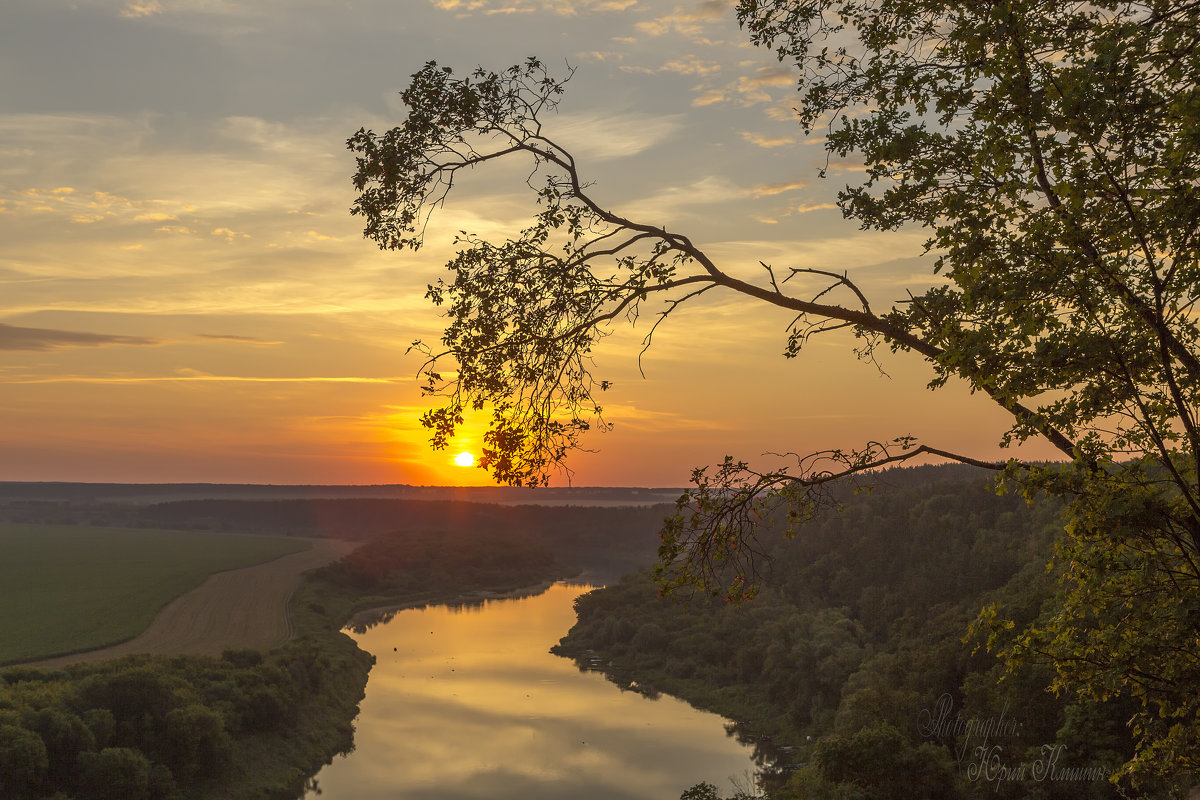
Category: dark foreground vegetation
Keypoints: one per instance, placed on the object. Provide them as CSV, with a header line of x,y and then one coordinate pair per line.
x,y
249,724
861,668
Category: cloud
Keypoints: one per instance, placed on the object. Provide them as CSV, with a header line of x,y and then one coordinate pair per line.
x,y
845,166
804,209
784,110
229,234
710,97
102,199
685,22
690,65
636,418
667,202
198,378
13,337
759,140
562,8
141,8
769,76
768,189
600,134
229,337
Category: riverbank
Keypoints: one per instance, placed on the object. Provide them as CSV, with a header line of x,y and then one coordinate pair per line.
x,y
377,615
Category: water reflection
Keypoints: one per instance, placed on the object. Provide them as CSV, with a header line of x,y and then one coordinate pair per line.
x,y
469,703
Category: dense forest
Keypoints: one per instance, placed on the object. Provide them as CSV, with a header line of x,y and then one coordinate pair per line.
x,y
148,727
247,725
861,668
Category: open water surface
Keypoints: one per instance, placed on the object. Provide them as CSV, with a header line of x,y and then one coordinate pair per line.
x,y
468,703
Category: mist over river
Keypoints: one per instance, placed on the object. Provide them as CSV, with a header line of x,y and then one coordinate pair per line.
x,y
467,702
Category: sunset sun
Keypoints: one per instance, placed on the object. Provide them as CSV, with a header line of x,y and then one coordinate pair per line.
x,y
464,459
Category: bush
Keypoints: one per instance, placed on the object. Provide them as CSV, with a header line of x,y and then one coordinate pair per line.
x,y
115,773
23,761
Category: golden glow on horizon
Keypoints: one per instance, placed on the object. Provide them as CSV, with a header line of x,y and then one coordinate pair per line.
x,y
125,360
464,459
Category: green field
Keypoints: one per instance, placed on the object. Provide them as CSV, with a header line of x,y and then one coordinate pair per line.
x,y
67,588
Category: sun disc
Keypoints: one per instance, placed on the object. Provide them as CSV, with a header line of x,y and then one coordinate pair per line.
x,y
464,460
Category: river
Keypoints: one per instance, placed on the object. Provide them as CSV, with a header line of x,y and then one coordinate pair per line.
x,y
468,703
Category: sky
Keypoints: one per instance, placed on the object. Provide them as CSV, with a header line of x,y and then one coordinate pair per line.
x,y
185,297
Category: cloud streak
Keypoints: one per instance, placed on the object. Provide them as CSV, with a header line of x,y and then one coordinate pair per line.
x,y
197,379
229,337
604,135
13,337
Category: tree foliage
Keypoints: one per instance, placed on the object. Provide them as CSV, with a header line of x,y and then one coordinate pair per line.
x,y
1051,150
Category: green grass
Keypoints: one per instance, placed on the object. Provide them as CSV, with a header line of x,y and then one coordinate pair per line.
x,y
65,589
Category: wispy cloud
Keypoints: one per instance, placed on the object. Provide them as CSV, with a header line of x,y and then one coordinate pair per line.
x,y
769,76
126,379
710,97
562,8
668,201
768,189
762,140
229,337
684,21
229,235
141,8
690,65
600,134
13,337
648,419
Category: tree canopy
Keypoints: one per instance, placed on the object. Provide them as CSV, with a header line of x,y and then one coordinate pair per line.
x,y
1051,151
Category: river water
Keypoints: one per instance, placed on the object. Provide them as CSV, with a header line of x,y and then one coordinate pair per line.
x,y
468,703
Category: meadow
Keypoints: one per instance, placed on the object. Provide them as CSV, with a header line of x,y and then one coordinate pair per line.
x,y
66,589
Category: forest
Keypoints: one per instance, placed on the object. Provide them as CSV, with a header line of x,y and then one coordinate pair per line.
x,y
862,667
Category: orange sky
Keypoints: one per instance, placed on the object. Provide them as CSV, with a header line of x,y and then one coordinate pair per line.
x,y
185,297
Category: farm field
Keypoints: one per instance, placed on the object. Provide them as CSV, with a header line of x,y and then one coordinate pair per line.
x,y
65,588
238,608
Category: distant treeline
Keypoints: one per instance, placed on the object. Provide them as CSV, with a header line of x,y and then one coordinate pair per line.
x,y
64,492
853,668
605,541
